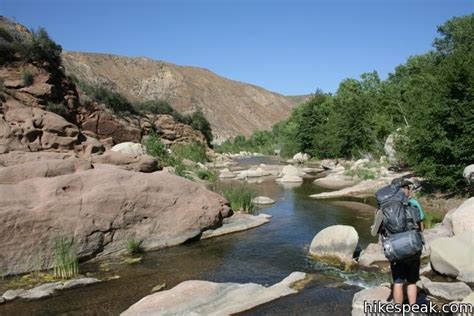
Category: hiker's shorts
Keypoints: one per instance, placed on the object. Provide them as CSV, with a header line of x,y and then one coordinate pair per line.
x,y
407,270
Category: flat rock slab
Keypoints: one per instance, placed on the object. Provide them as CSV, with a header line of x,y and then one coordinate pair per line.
x,y
335,181
236,223
209,298
370,295
450,291
355,206
367,187
46,290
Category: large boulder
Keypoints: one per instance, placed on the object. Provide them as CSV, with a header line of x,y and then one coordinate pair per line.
x,y
33,129
209,298
99,210
454,256
468,173
135,149
142,163
290,174
41,169
339,241
462,219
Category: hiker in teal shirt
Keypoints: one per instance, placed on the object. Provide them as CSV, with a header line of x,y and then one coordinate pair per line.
x,y
413,202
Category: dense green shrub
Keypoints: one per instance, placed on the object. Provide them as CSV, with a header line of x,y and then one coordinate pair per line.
x,y
200,123
5,34
195,152
111,99
27,78
42,48
154,146
57,108
156,107
207,175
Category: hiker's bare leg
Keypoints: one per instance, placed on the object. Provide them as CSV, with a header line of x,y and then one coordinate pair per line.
x,y
411,293
398,293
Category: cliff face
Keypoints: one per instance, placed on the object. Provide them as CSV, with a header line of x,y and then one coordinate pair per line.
x,y
231,107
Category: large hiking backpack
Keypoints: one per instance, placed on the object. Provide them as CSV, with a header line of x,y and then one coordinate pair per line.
x,y
401,238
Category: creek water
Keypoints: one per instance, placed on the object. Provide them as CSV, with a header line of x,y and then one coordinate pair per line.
x,y
263,255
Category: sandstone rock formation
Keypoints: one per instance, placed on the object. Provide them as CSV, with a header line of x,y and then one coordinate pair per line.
x,y
231,107
99,209
143,163
209,298
42,169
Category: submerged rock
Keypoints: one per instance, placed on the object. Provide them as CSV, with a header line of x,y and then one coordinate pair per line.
x,y
209,298
236,223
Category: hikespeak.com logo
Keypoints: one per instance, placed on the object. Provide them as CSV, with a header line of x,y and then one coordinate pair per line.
x,y
383,308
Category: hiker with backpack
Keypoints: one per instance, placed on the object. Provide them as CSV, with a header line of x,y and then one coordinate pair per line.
x,y
399,220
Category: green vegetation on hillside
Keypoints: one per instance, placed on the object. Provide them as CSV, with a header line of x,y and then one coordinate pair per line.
x,y
428,103
38,47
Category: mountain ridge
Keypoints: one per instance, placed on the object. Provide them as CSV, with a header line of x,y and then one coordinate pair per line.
x,y
232,107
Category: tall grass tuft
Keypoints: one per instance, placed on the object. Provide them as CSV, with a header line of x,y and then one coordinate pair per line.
x,y
65,262
133,246
240,198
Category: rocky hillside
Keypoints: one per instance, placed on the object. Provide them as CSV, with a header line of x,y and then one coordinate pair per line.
x,y
231,107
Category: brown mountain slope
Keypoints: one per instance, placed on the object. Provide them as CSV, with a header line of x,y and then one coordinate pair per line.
x,y
231,107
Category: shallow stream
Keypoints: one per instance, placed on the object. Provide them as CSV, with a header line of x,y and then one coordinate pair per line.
x,y
263,255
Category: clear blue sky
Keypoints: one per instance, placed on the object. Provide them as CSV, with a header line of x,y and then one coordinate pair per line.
x,y
291,47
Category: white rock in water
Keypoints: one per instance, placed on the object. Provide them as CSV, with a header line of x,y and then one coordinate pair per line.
x,y
130,148
338,241
263,200
450,291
